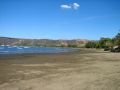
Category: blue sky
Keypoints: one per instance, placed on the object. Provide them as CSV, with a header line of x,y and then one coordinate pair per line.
x,y
59,19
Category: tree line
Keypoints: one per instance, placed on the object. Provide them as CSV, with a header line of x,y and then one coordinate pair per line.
x,y
112,44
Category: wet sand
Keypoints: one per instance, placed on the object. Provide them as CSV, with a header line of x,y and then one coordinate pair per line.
x,y
84,70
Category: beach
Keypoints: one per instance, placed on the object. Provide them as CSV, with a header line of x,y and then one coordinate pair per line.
x,y
87,69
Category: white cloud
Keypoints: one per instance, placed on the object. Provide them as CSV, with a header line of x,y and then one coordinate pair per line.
x,y
76,5
70,6
66,6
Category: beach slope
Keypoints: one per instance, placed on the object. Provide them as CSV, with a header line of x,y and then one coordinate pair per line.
x,y
84,70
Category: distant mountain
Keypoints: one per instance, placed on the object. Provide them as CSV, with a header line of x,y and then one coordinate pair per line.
x,y
42,42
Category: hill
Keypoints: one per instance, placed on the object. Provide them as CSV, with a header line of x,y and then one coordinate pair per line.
x,y
42,42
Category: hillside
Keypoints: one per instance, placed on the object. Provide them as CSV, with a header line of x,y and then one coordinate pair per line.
x,y
42,42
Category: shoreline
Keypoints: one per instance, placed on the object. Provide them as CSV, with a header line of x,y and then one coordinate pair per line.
x,y
75,50
27,55
32,52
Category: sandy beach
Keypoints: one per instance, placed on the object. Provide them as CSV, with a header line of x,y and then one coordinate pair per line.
x,y
83,70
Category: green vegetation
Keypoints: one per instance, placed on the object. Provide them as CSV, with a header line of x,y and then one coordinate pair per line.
x,y
91,44
117,39
73,46
112,44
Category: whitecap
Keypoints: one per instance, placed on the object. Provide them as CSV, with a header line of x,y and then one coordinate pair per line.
x,y
2,45
26,47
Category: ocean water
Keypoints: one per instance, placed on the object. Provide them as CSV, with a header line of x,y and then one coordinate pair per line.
x,y
26,49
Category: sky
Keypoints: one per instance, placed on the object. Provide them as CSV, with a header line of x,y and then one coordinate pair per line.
x,y
59,19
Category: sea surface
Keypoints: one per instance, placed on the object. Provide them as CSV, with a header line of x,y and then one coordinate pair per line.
x,y
6,49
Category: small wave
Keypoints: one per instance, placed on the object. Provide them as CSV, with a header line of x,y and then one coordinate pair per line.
x,y
19,48
26,47
3,51
2,45
10,47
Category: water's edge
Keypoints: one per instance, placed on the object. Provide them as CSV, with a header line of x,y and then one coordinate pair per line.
x,y
31,50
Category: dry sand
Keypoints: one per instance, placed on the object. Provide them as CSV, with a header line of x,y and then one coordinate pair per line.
x,y
84,70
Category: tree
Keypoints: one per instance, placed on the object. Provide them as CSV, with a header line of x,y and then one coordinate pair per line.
x,y
91,44
116,40
73,46
105,42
